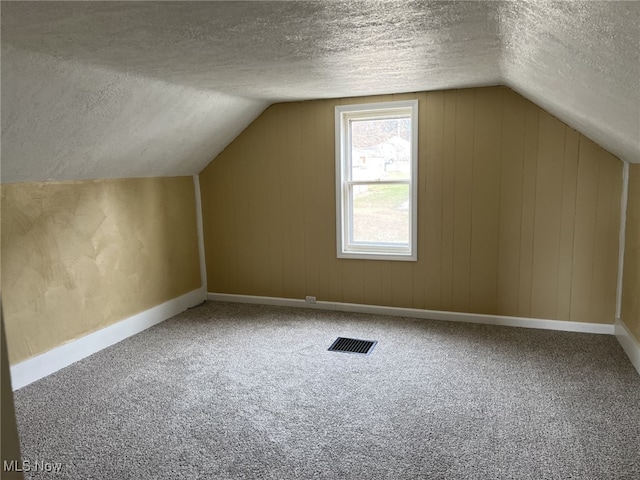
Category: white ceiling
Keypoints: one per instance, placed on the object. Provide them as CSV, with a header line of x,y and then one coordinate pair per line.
x,y
125,89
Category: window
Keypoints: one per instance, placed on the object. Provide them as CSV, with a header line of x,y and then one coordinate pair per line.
x,y
376,175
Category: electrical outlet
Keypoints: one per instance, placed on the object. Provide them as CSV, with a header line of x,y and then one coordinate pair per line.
x,y
310,299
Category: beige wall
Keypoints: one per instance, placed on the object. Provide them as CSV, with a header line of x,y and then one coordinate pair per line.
x,y
630,312
9,441
79,256
518,214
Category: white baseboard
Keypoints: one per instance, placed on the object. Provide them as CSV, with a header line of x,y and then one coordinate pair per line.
x,y
38,367
629,343
49,362
538,323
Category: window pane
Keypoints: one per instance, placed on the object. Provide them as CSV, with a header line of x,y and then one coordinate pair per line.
x,y
380,214
380,149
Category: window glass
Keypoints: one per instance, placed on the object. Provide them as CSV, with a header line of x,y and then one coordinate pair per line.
x,y
381,214
380,149
376,172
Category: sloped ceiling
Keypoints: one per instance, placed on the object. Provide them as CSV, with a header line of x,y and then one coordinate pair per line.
x,y
125,89
581,62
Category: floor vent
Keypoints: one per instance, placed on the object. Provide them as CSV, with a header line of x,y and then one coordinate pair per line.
x,y
352,345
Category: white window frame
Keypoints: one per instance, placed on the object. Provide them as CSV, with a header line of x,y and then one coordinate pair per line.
x,y
373,251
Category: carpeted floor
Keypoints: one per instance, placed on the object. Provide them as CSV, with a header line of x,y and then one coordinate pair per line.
x,y
229,391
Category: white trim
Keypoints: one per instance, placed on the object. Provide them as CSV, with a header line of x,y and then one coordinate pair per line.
x,y
49,362
629,344
621,239
199,225
343,161
538,323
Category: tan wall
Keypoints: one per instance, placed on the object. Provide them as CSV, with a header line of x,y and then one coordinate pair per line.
x,y
9,441
518,214
79,256
630,312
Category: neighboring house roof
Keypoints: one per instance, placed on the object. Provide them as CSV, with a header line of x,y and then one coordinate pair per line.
x,y
125,89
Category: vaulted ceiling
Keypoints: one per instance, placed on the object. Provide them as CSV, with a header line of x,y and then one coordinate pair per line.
x,y
128,89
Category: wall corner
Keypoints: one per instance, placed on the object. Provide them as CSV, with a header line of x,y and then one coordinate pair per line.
x,y
200,227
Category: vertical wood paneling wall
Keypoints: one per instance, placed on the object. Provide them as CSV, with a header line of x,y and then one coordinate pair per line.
x,y
518,213
630,312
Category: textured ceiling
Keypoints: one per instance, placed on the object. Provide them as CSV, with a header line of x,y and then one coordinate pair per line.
x,y
118,89
581,62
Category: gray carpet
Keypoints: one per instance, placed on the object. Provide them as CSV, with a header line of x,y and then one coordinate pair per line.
x,y
229,391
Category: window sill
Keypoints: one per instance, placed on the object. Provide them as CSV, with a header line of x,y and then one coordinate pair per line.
x,y
379,256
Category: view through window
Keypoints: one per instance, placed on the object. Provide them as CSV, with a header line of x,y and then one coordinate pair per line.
x,y
376,193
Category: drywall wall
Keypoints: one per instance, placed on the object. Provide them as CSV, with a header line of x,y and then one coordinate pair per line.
x,y
518,213
630,311
79,256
